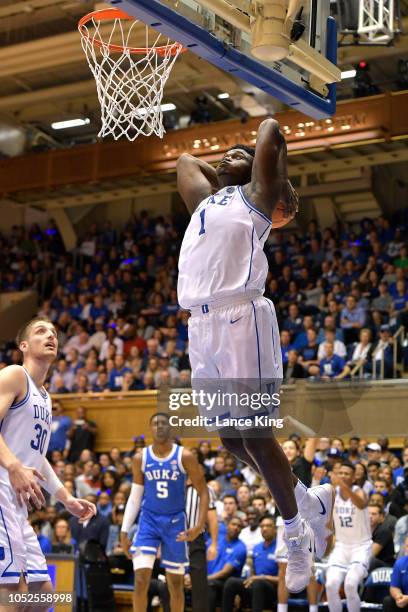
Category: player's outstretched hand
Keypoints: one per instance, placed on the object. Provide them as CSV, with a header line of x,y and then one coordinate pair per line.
x,y
290,199
189,535
125,544
23,480
81,508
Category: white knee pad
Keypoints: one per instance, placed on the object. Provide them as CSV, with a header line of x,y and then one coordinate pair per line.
x,y
141,561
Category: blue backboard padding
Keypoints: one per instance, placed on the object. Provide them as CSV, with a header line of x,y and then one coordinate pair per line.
x,y
207,46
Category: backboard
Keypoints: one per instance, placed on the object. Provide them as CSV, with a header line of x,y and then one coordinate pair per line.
x,y
229,34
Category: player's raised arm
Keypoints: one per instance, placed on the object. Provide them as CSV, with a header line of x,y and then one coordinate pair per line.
x,y
133,503
196,180
23,479
358,498
269,182
196,476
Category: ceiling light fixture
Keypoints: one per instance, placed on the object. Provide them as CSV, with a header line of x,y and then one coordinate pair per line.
x,y
348,74
70,123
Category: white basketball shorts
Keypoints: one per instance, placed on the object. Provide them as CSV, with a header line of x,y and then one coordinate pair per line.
x,y
20,551
344,556
235,349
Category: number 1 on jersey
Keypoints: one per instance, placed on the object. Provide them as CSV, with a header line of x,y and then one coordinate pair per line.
x,y
202,217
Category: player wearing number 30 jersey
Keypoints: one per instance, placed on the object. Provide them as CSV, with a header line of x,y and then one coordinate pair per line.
x,y
25,425
349,560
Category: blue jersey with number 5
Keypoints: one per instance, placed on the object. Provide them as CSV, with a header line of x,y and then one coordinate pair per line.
x,y
26,427
164,481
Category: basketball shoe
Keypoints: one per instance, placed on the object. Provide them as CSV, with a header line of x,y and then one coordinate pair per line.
x,y
300,559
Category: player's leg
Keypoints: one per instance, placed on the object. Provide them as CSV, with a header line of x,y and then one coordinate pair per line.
x,y
37,572
247,353
338,565
334,580
12,551
46,590
144,549
142,581
175,584
312,593
7,593
174,558
283,593
352,581
358,570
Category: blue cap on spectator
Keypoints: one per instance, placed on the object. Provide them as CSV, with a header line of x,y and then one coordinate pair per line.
x,y
334,452
385,327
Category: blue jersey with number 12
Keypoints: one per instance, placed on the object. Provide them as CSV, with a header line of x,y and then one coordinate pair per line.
x,y
164,481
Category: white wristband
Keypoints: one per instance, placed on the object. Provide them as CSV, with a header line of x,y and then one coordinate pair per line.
x,y
52,483
132,507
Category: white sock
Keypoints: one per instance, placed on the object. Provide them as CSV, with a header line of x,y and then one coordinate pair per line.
x,y
282,607
293,526
313,608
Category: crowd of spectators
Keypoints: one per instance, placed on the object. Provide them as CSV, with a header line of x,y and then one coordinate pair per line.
x,y
246,511
341,293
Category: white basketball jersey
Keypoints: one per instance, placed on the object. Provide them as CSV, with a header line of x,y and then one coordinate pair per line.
x,y
222,250
26,428
351,525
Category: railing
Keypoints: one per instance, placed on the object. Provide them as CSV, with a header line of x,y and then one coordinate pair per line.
x,y
374,366
398,367
358,368
397,340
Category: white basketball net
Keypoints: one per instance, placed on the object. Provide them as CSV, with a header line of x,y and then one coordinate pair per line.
x,y
129,84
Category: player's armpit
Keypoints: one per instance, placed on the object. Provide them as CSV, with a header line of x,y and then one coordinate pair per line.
x,y
196,180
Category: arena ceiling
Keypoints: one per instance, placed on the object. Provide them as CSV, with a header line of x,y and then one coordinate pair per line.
x,y
44,76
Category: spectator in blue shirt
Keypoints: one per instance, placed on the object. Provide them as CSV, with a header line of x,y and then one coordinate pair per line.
x,y
400,297
61,424
352,320
257,592
286,345
229,561
117,373
332,365
98,308
293,323
398,597
44,542
302,339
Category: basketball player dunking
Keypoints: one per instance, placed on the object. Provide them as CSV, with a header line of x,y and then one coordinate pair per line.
x,y
350,558
25,425
233,331
160,473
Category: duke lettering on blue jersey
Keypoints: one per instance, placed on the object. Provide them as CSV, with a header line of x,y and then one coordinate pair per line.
x,y
164,481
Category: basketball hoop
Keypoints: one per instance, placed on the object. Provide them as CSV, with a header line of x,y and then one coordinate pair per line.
x,y
129,79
